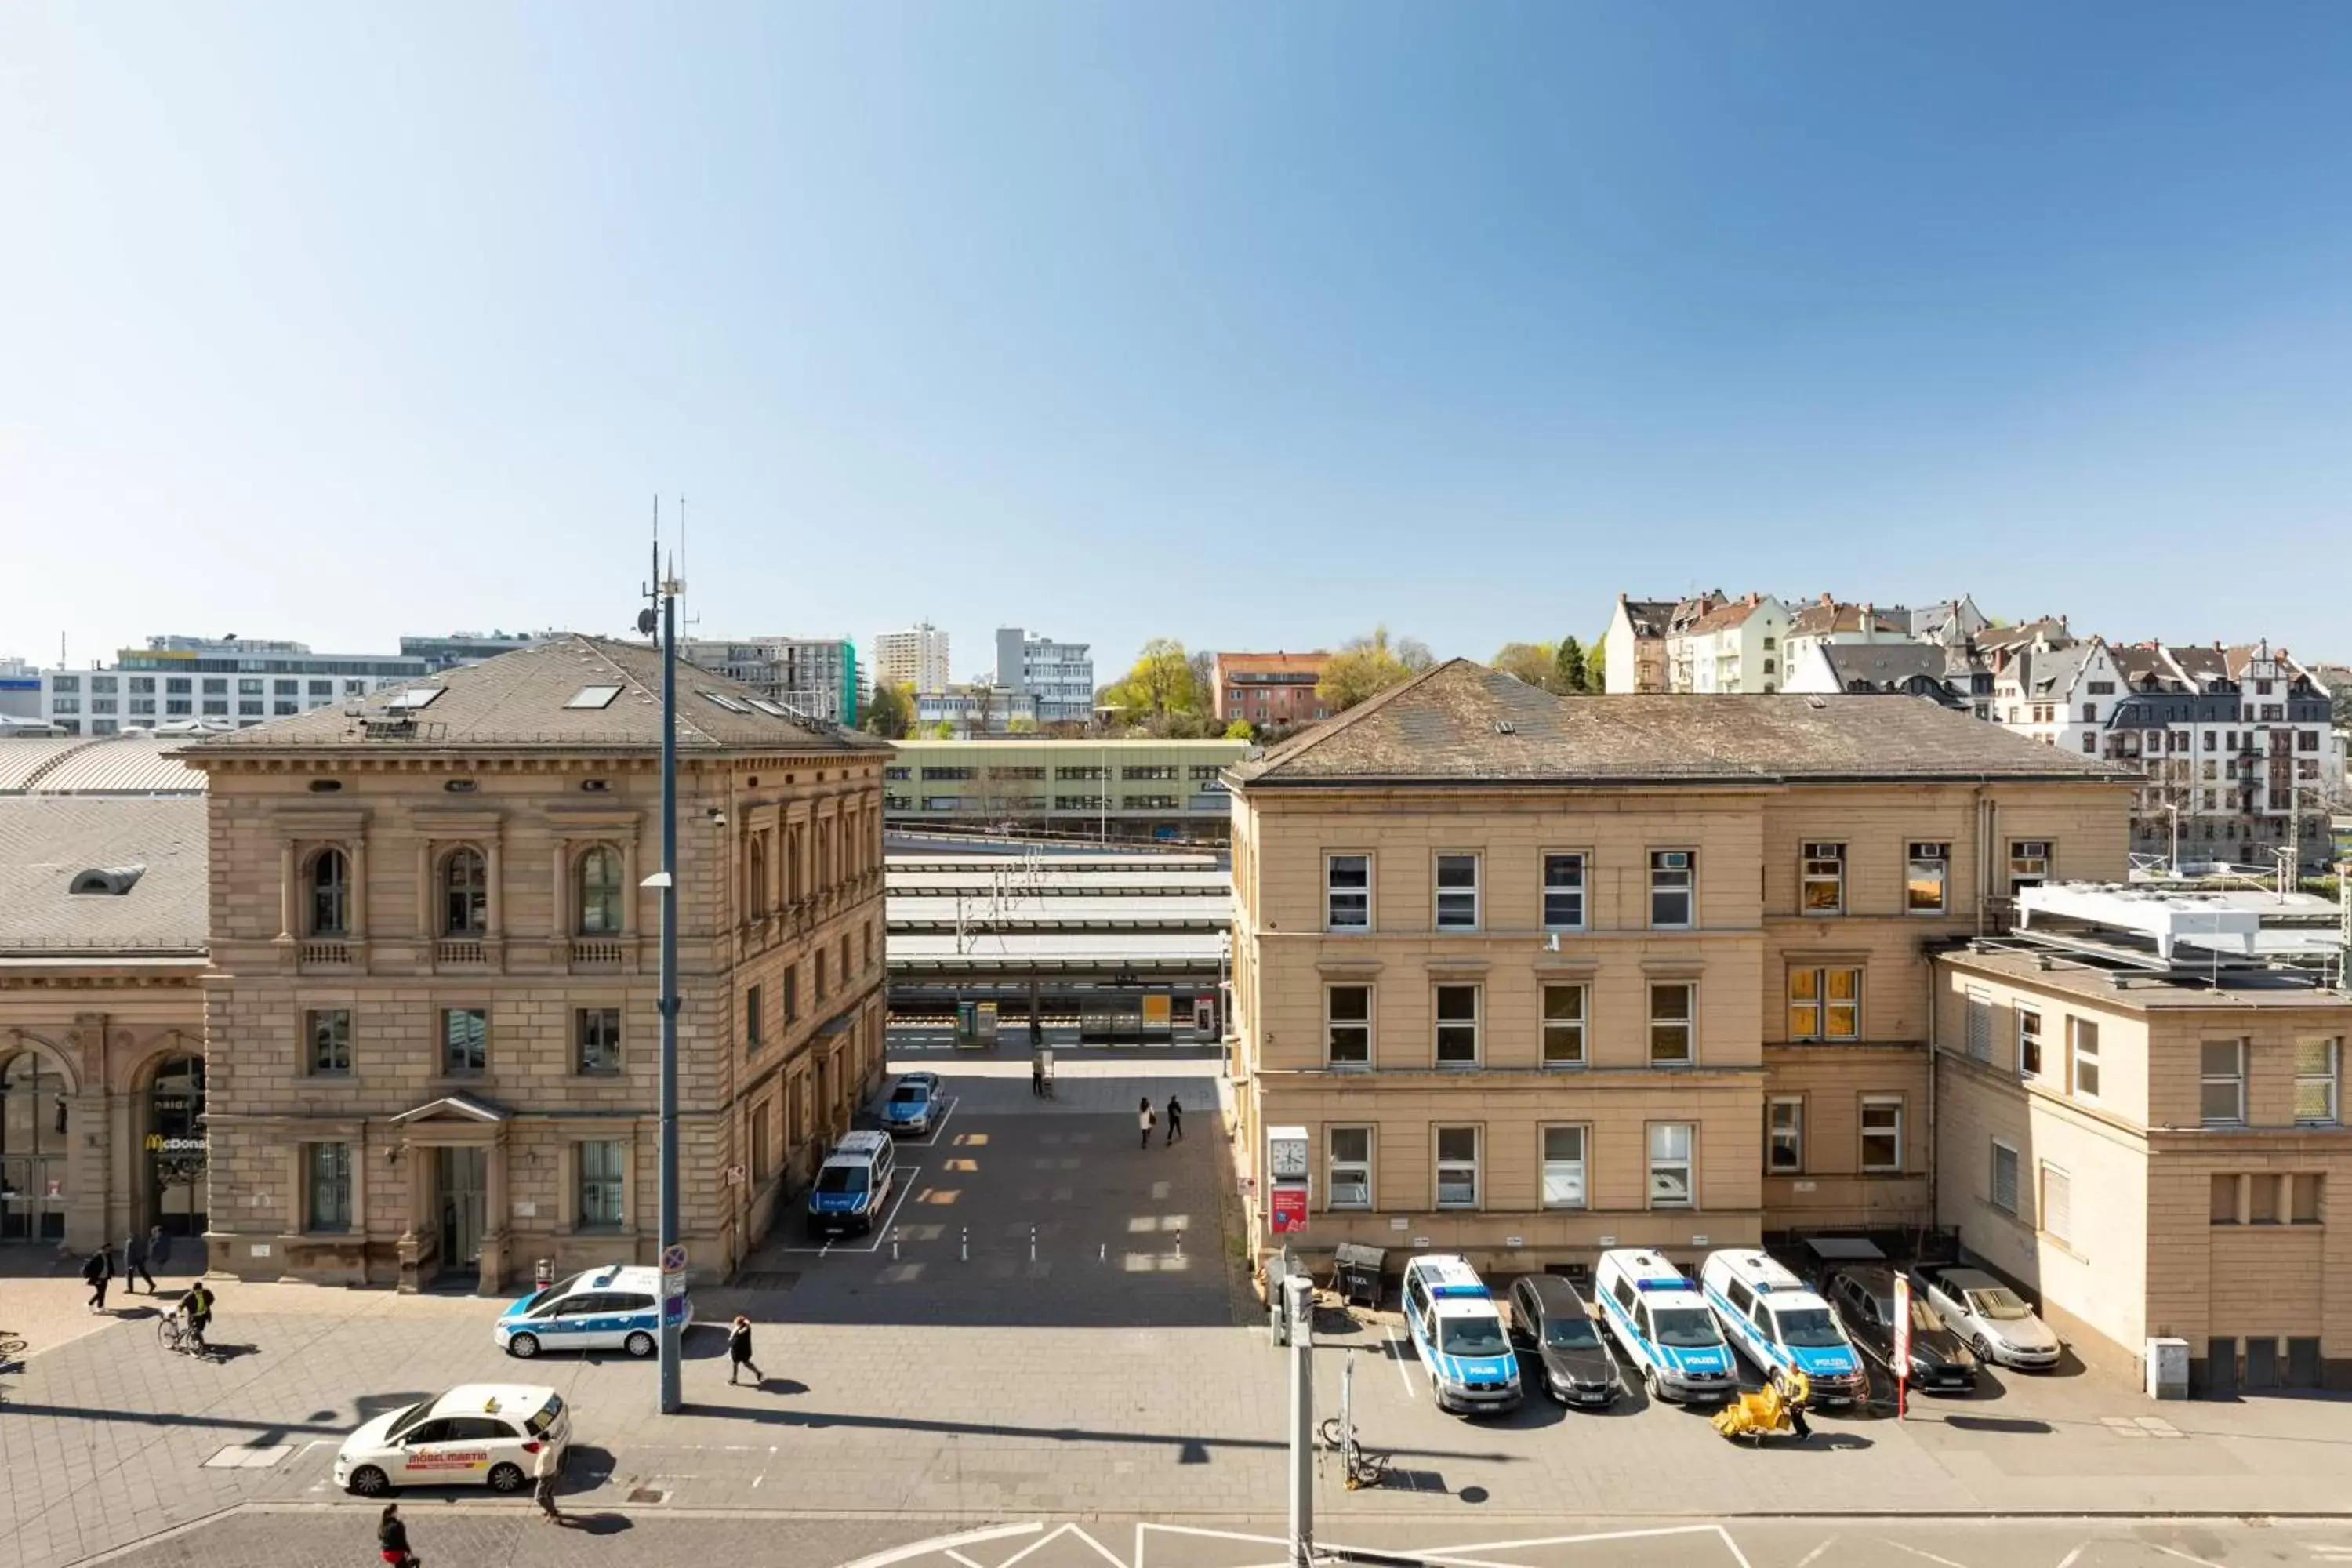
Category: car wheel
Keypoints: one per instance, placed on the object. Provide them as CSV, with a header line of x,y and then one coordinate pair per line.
x,y
506,1478
1650,1383
639,1344
369,1481
1982,1348
523,1346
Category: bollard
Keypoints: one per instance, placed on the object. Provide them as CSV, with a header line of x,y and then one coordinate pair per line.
x,y
894,1244
1032,1244
966,1247
1103,1254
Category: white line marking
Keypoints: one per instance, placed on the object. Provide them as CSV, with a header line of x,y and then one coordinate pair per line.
x,y
1568,1540
1400,1361
1098,1545
931,1139
960,1557
1808,1559
2184,1556
1033,1546
942,1542
2068,1561
1733,1547
1931,1557
1191,1530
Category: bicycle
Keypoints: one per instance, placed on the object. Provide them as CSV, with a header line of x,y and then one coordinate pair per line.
x,y
172,1331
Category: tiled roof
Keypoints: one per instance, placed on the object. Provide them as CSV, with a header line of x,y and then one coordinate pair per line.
x,y
46,840
1723,617
1649,616
2051,627
1820,619
24,756
1880,665
1462,723
105,764
519,701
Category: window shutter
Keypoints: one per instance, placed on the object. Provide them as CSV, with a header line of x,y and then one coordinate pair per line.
x,y
2057,1203
1979,1026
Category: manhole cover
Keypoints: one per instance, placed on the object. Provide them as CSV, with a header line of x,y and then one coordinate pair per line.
x,y
767,1279
648,1494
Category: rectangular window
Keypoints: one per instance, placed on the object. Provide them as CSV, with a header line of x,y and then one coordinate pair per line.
x,y
2222,1082
2029,863
1671,887
600,1184
755,1010
1563,1026
1348,1025
1457,892
1457,1025
2224,1204
821,986
2083,1036
1350,1167
329,1031
1980,1024
465,1042
1563,892
1822,878
1784,1135
1671,1013
1927,874
1670,1165
1824,1004
2304,1199
1563,1167
792,994
596,1039
1348,892
331,1186
2318,1062
2001,1183
2029,1043
1457,1167
1882,1134
2057,1203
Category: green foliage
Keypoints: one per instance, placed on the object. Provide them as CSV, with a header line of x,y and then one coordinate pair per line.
x,y
1162,692
1571,676
1527,661
943,730
1020,724
1369,665
889,714
1241,729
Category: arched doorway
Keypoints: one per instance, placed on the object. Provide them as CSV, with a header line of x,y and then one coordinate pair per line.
x,y
33,1105
174,1147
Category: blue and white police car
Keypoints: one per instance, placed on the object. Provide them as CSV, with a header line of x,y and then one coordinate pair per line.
x,y
614,1308
1458,1334
1662,1320
1781,1326
853,1185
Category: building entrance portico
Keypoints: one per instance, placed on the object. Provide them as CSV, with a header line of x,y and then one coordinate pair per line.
x,y
456,1150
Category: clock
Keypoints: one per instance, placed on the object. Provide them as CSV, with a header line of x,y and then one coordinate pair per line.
x,y
1287,1154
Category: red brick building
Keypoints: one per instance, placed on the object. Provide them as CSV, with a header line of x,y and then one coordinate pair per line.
x,y
1269,690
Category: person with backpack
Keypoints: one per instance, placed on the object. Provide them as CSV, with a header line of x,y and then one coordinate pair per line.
x,y
96,1273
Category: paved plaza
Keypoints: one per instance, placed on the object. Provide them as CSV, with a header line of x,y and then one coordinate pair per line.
x,y
935,1378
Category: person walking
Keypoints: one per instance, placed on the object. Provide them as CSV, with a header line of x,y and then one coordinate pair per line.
x,y
391,1539
135,1265
159,1248
1037,1075
545,1466
95,1273
739,1351
1175,1120
1143,1120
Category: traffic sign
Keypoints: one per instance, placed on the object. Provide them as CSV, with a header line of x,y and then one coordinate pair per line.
x,y
673,1310
673,1258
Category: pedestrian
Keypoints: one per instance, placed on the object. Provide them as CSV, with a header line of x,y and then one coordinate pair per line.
x,y
739,1351
544,1468
1143,1120
198,1306
1796,1393
135,1264
1175,1120
159,1248
95,1273
1037,1075
391,1539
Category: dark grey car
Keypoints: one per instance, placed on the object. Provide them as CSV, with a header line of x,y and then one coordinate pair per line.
x,y
1550,1321
1864,1298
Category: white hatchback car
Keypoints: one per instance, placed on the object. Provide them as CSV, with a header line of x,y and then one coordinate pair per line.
x,y
478,1433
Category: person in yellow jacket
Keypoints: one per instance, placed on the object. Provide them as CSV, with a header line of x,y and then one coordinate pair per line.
x,y
1796,1388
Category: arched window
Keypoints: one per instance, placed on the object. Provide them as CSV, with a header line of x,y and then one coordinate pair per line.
x,y
330,893
35,1169
600,893
758,875
465,894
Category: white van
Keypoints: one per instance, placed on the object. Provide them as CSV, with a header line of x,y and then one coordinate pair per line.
x,y
1781,1325
1662,1320
852,1186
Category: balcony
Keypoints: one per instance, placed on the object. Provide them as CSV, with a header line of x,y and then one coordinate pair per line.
x,y
601,954
324,953
460,952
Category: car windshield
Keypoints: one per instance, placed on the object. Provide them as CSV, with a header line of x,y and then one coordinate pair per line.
x,y
1999,1303
1572,1333
1687,1328
409,1417
1471,1336
841,1179
1809,1328
1924,1317
545,1417
560,1288
914,1091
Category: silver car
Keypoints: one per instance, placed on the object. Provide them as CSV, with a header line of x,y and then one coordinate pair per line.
x,y
1993,1319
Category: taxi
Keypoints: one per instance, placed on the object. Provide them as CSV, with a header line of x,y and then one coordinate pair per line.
x,y
476,1435
1458,1334
617,1307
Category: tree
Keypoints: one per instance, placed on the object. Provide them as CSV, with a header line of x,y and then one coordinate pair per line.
x,y
1020,724
1596,665
1527,661
888,714
1368,666
1569,677
1241,729
943,730
1161,690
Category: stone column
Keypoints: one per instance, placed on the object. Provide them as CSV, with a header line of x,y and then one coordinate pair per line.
x,y
424,933
359,887
286,892
412,1239
494,869
559,923
494,1218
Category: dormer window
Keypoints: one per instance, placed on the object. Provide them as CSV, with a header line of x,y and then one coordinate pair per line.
x,y
114,881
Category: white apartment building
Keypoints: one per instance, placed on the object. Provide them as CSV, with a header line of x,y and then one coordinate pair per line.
x,y
914,660
1823,622
1059,675
1734,647
977,708
219,683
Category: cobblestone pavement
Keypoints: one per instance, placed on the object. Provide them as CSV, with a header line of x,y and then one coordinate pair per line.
x,y
313,1538
931,1390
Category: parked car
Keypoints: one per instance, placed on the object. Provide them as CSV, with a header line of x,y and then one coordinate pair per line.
x,y
1550,1321
479,1434
1863,1295
853,1185
909,1109
1663,1324
614,1308
1993,1319
1450,1317
1781,1325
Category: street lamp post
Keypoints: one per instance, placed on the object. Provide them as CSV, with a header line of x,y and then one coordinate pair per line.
x,y
667,589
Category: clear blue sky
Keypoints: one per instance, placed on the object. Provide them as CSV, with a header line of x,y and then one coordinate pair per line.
x,y
1248,325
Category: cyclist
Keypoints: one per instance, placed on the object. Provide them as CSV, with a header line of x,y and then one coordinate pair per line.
x,y
196,1307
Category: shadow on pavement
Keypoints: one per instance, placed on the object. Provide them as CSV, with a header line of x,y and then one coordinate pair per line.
x,y
596,1523
2021,1425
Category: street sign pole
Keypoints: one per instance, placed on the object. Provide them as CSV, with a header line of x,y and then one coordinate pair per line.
x,y
1902,1344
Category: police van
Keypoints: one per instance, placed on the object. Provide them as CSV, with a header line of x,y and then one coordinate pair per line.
x,y
852,1186
1661,1321
1456,1332
614,1308
1781,1326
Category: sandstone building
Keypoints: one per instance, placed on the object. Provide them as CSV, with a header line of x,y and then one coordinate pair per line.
x,y
430,1016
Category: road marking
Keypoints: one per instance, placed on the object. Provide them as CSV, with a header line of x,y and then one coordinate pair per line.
x,y
1057,1535
1930,1556
960,1557
944,1542
2068,1561
905,1182
932,1137
1807,1560
1578,1540
1393,1342
1098,1545
2184,1556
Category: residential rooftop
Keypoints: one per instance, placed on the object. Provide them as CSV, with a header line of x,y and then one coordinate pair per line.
x,y
149,893
2144,990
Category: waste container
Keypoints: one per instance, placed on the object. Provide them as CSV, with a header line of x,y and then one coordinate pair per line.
x,y
1358,1272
